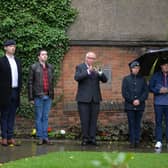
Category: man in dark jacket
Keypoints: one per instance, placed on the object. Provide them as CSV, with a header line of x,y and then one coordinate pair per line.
x,y
135,92
10,86
41,93
89,97
158,84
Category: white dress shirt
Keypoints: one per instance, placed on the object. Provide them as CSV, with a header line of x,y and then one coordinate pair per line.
x,y
88,69
14,71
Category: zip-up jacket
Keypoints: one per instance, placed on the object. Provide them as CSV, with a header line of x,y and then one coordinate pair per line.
x,y
156,82
35,81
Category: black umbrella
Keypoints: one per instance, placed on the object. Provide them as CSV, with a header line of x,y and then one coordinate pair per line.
x,y
150,61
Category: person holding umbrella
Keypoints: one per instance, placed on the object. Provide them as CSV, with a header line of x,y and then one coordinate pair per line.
x,y
135,92
158,84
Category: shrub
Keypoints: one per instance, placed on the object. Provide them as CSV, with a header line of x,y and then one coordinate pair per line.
x,y
36,24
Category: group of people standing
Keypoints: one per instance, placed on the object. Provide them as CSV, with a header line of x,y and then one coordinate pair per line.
x,y
41,92
135,91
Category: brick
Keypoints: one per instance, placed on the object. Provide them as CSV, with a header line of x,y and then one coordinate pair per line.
x,y
115,57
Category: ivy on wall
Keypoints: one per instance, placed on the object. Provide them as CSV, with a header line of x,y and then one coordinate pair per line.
x,y
36,24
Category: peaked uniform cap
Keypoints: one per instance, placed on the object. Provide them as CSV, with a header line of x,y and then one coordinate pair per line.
x,y
9,42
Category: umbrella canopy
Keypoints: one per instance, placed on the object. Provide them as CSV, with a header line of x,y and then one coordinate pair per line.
x,y
150,61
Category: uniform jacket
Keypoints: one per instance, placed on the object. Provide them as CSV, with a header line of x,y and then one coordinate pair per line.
x,y
88,85
134,87
35,81
6,80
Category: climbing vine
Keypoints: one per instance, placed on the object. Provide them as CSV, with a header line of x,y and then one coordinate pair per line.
x,y
36,24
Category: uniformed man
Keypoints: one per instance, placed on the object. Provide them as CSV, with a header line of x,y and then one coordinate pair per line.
x,y
135,92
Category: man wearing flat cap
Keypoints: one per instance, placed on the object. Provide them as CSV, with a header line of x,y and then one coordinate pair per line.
x,y
158,85
135,92
10,86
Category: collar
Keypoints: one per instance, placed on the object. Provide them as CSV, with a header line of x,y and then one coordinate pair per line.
x,y
46,65
133,75
87,65
164,74
10,57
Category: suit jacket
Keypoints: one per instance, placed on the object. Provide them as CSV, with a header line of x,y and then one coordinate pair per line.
x,y
6,80
88,85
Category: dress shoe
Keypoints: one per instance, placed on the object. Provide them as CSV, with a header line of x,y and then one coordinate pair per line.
x,y
48,142
84,142
4,142
93,142
40,142
13,142
131,145
137,145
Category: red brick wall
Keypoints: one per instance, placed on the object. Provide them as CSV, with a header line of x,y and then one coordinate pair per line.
x,y
64,114
114,57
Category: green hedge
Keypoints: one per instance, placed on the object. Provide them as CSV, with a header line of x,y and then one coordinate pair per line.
x,y
36,24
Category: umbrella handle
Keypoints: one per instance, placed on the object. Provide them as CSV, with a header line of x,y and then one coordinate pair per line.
x,y
153,67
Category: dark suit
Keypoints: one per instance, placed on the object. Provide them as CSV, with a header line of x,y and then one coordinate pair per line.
x,y
88,98
9,97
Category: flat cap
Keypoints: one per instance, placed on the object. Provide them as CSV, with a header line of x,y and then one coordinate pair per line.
x,y
9,42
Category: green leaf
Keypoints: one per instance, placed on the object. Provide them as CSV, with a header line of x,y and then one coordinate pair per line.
x,y
36,24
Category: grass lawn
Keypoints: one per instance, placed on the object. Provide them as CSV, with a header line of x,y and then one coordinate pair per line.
x,y
84,160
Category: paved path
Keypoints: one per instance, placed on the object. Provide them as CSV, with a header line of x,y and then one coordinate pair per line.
x,y
29,148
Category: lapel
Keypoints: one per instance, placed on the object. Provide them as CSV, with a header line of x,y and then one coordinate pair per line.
x,y
85,66
8,68
6,63
92,75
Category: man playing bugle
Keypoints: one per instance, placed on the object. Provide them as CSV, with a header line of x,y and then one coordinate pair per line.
x,y
88,97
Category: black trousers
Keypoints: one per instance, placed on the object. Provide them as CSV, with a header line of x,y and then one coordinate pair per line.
x,y
134,124
88,116
8,113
